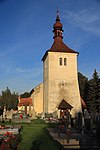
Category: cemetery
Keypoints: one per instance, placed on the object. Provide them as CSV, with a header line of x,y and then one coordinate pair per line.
x,y
9,137
16,130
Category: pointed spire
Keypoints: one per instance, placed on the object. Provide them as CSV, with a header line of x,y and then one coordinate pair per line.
x,y
57,27
58,44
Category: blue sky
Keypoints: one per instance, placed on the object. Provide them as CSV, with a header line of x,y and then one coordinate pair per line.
x,y
26,33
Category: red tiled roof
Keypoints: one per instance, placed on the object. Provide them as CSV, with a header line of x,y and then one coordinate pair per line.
x,y
25,101
59,46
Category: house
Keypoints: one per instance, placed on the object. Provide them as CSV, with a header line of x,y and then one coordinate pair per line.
x,y
25,105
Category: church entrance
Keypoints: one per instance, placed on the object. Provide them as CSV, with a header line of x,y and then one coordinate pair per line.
x,y
63,113
65,109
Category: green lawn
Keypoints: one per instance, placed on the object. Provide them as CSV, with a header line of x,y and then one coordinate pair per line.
x,y
36,130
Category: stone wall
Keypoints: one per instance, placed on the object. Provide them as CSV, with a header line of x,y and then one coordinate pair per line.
x,y
37,98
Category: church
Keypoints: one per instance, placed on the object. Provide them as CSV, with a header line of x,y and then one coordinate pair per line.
x,y
59,91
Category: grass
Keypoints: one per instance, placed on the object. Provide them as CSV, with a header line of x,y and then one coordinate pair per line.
x,y
36,130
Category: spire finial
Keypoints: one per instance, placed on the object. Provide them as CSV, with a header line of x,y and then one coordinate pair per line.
x,y
57,11
57,27
57,18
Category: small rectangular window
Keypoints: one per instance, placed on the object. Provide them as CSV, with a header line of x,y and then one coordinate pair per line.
x,y
65,61
60,61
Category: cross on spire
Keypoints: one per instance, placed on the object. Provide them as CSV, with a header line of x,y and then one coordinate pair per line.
x,y
58,16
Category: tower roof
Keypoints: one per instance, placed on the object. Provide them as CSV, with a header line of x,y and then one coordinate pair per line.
x,y
58,24
58,44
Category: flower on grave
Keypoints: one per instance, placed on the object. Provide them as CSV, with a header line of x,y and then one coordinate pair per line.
x,y
8,134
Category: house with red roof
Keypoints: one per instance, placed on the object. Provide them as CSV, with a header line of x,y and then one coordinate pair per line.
x,y
25,105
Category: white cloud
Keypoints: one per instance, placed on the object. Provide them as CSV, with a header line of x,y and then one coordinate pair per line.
x,y
86,19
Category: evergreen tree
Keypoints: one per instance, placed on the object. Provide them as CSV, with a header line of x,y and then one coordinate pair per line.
x,y
83,85
6,97
1,102
14,101
9,100
94,94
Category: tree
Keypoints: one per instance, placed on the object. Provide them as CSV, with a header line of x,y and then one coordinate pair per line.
x,y
83,85
1,106
6,97
25,95
9,100
94,93
1,102
14,101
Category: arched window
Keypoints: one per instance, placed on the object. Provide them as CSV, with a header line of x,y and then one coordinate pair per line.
x,y
65,61
60,61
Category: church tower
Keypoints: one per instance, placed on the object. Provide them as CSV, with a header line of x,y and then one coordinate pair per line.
x,y
60,79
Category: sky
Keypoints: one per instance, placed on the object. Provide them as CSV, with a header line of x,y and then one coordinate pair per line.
x,y
26,33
